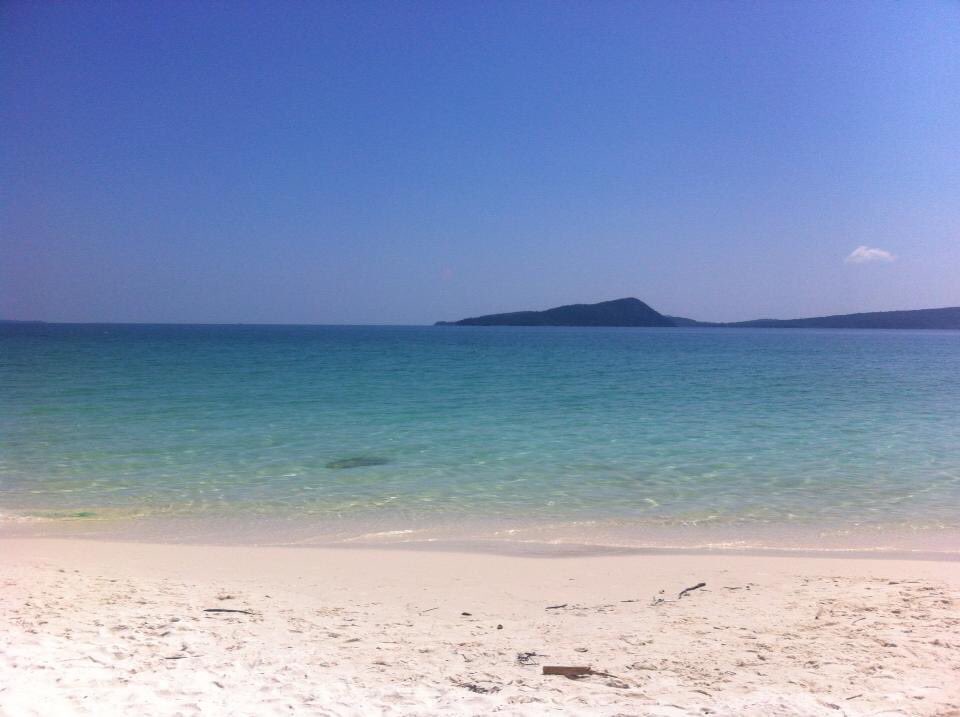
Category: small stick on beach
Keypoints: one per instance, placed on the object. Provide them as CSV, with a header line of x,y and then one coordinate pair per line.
x,y
555,607
226,609
573,672
527,658
691,589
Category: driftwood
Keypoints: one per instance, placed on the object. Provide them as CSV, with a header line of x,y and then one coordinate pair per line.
x,y
555,607
226,609
691,589
573,672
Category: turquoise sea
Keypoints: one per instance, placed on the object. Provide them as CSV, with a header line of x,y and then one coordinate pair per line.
x,y
496,436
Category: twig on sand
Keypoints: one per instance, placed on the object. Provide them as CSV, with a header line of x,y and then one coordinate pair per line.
x,y
555,607
691,589
658,600
227,609
423,612
574,672
479,689
527,658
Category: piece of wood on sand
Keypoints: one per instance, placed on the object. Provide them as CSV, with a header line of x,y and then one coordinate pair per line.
x,y
571,671
690,589
574,672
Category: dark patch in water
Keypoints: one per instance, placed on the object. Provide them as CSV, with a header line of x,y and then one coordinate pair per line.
x,y
357,462
62,514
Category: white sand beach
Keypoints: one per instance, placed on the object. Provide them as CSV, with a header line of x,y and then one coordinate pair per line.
x,y
95,628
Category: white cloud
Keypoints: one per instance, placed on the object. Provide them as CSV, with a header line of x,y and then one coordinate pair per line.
x,y
865,254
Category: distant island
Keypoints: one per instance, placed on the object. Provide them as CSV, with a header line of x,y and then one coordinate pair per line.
x,y
633,312
620,312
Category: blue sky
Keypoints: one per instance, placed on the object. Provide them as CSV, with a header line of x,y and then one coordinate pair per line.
x,y
407,162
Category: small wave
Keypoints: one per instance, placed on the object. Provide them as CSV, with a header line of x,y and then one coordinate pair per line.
x,y
380,534
16,518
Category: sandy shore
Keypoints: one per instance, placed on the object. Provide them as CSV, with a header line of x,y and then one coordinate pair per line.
x,y
122,629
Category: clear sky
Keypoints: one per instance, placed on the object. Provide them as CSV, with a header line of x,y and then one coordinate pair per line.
x,y
355,162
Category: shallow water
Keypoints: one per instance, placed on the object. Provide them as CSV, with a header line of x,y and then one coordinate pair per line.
x,y
616,436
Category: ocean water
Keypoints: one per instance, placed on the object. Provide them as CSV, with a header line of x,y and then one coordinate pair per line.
x,y
814,439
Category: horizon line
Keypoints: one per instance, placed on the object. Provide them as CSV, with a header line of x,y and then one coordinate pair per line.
x,y
288,323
